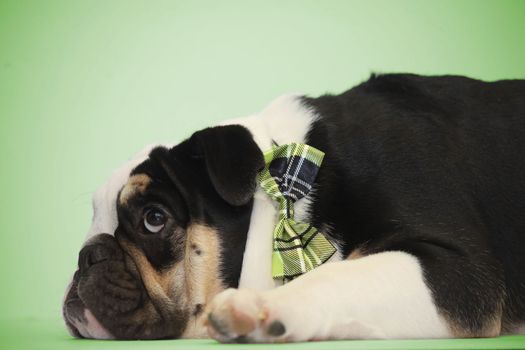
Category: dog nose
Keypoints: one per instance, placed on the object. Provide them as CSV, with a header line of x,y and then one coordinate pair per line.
x,y
98,249
91,255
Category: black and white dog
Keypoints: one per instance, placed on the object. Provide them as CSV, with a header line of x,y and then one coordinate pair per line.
x,y
422,191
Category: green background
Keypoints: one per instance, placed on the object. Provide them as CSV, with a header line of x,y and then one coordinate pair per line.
x,y
84,85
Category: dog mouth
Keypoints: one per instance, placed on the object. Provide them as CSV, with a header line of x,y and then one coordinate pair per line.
x,y
73,308
80,321
80,303
108,298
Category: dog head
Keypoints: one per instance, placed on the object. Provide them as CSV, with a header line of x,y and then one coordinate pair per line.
x,y
168,233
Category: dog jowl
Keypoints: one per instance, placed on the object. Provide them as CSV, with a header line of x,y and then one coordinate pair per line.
x,y
181,216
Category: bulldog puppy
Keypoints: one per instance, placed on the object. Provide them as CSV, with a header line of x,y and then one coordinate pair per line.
x,y
421,191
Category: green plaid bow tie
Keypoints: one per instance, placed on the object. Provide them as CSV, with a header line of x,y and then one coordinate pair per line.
x,y
288,175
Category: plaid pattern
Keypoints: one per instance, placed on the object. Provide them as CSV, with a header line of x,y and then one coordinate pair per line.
x,y
288,176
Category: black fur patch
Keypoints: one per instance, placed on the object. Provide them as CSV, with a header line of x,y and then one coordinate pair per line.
x,y
432,166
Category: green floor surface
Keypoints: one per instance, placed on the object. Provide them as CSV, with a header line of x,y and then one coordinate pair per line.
x,y
37,334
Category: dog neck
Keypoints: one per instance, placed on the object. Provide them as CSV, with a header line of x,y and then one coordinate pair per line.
x,y
285,120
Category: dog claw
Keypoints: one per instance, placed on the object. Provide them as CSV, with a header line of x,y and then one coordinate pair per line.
x,y
276,328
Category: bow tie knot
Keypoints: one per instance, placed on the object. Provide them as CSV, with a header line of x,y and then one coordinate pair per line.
x,y
289,174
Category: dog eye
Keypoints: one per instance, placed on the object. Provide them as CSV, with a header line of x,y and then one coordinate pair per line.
x,y
154,220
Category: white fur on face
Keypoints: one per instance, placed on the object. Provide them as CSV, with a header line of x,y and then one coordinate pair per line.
x,y
105,197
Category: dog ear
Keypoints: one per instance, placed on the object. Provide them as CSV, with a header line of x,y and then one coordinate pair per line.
x,y
232,159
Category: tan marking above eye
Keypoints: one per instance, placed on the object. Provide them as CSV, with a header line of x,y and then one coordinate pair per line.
x,y
136,184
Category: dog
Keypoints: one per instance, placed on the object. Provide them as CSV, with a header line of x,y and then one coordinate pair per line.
x,y
421,193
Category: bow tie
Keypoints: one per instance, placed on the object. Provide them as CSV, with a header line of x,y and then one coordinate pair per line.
x,y
288,175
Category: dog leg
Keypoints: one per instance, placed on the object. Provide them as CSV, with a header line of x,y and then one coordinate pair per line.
x,y
378,296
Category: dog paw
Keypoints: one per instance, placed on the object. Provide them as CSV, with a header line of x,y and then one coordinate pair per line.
x,y
243,316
